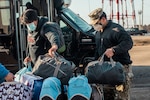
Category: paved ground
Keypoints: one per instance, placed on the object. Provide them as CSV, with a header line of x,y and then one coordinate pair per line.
x,y
141,62
141,83
140,93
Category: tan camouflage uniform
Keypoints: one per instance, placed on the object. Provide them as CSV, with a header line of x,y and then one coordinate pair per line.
x,y
124,92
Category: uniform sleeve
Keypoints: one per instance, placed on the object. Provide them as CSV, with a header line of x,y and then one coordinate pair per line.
x,y
3,72
124,40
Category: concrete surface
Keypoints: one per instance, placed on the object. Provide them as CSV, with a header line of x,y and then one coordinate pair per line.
x,y
141,83
140,93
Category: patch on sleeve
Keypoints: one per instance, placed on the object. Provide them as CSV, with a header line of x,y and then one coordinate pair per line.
x,y
116,29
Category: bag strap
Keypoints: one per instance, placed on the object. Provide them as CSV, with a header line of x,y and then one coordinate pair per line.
x,y
57,68
99,88
54,67
101,60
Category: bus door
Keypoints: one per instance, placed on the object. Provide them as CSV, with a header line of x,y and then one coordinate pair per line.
x,y
20,30
6,31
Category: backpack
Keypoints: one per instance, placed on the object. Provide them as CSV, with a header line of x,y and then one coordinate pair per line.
x,y
79,89
54,27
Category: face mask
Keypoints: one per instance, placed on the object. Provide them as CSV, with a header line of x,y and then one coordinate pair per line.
x,y
31,26
98,27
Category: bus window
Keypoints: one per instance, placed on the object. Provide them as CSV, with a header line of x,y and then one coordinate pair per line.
x,y
4,15
23,6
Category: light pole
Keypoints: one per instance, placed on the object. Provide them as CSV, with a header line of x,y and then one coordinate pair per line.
x,y
140,12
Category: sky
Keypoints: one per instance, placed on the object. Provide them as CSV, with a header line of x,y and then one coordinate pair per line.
x,y
84,7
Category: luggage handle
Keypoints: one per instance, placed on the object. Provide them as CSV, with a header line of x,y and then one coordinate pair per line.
x,y
56,56
101,60
28,65
57,68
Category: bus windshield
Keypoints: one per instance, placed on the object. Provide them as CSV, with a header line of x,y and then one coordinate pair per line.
x,y
78,20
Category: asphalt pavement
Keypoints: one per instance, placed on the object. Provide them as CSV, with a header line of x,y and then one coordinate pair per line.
x,y
140,89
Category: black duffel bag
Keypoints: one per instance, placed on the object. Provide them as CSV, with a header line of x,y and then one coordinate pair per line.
x,y
105,72
57,66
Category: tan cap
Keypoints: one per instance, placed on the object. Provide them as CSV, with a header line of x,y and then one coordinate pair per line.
x,y
95,15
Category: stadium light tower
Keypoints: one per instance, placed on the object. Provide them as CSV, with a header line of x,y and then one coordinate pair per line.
x,y
140,24
142,11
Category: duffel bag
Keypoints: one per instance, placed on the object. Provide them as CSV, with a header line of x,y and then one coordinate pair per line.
x,y
105,72
57,66
14,91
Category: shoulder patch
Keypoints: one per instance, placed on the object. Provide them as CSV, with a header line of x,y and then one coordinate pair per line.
x,y
116,29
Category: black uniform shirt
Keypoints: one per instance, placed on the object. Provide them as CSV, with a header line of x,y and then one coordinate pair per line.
x,y
114,36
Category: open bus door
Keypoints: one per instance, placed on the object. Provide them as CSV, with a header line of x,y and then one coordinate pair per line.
x,y
20,31
6,30
12,33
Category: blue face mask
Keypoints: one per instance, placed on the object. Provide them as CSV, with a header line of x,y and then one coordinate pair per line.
x,y
31,26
